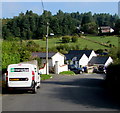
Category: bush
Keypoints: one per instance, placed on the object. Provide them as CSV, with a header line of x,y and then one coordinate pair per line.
x,y
44,38
32,46
67,73
74,39
44,76
66,39
113,75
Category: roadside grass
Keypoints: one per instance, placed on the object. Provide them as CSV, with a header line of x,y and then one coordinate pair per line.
x,y
67,73
45,77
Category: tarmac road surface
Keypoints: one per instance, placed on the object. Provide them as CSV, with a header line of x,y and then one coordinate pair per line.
x,y
84,92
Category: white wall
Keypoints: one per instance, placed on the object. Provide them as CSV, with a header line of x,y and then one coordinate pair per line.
x,y
109,61
58,57
43,70
92,54
83,61
60,68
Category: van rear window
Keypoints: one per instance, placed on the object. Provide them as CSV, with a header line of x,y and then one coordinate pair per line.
x,y
19,70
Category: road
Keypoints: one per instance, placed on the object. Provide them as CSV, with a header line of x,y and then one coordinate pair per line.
x,y
85,92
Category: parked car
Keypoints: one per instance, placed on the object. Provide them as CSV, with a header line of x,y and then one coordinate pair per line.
x,y
75,69
100,69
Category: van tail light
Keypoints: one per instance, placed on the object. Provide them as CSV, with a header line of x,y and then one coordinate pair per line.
x,y
33,75
7,76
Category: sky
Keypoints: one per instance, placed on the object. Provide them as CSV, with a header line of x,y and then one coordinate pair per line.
x,y
11,8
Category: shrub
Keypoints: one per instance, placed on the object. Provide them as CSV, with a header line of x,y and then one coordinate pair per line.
x,y
66,39
44,76
32,46
113,75
44,38
67,73
74,39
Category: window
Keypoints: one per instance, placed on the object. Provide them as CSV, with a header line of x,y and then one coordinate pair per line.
x,y
19,70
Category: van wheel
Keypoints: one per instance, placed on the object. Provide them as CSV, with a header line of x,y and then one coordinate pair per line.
x,y
80,72
34,90
38,86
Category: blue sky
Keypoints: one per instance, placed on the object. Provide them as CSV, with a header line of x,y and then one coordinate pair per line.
x,y
10,9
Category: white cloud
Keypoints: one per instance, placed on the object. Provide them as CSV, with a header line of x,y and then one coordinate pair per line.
x,y
60,0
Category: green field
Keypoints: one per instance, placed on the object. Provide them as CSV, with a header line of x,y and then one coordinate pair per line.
x,y
106,39
83,43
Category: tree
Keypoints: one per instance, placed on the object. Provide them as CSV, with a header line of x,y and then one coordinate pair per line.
x,y
74,39
90,28
66,39
117,27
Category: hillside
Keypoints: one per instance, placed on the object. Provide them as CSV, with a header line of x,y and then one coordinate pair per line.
x,y
82,43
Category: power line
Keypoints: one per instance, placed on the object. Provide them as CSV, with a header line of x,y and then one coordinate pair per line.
x,y
42,5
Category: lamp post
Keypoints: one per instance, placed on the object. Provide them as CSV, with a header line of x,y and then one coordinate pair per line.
x,y
47,67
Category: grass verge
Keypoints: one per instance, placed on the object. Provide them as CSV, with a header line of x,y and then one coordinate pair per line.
x,y
67,73
44,76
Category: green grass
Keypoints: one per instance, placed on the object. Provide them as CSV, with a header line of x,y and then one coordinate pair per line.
x,y
53,42
105,39
44,76
67,73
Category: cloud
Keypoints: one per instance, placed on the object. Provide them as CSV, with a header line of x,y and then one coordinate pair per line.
x,y
60,0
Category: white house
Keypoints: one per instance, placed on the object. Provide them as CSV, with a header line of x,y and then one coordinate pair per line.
x,y
53,57
101,61
79,58
88,53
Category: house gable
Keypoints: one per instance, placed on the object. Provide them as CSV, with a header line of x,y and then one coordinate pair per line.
x,y
83,61
92,55
109,61
58,57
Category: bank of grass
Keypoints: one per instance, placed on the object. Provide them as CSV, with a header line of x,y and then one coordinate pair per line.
x,y
67,73
45,77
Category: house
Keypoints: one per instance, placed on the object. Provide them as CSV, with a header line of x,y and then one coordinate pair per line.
x,y
105,30
79,60
52,57
55,62
88,53
101,61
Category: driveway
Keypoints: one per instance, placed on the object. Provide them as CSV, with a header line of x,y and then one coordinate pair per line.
x,y
84,92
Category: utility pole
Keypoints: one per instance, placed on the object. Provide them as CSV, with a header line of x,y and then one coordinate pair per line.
x,y
47,65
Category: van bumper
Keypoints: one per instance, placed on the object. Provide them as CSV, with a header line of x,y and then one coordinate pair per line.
x,y
22,88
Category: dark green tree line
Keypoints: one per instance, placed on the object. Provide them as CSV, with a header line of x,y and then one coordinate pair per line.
x,y
33,26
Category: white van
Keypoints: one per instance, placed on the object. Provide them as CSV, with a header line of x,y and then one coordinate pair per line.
x,y
23,76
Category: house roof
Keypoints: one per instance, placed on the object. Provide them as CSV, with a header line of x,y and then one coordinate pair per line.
x,y
43,54
71,56
79,52
98,60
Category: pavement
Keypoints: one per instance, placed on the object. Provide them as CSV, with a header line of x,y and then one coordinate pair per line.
x,y
84,92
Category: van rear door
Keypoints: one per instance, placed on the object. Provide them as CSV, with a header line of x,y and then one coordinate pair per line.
x,y
20,75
